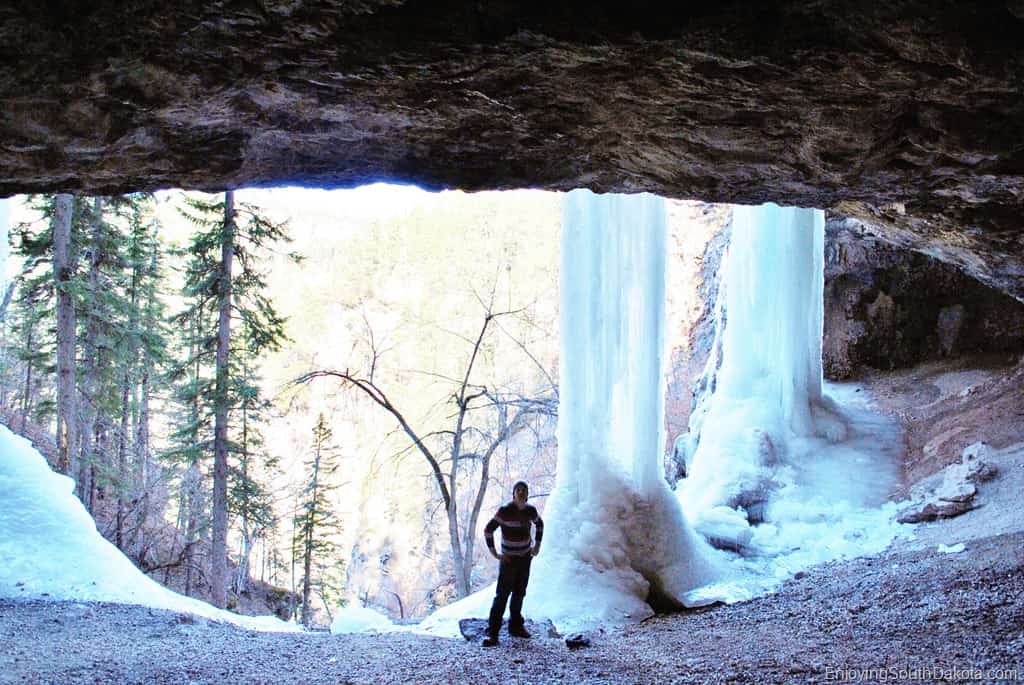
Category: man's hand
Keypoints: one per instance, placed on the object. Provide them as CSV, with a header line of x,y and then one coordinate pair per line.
x,y
500,557
536,550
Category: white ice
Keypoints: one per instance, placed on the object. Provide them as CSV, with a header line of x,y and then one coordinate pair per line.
x,y
613,527
951,549
772,440
50,548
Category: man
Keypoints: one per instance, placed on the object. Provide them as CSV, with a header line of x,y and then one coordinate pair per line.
x,y
517,550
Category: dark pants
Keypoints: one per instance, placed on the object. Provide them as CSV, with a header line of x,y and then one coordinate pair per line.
x,y
513,575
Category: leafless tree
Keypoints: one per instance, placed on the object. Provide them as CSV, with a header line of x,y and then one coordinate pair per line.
x,y
484,418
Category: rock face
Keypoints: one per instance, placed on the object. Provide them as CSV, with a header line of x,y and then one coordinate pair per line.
x,y
907,115
887,307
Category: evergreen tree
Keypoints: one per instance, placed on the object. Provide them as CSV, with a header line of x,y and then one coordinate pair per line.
x,y
224,285
248,497
102,275
315,522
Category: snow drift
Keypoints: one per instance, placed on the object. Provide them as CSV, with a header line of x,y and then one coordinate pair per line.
x,y
49,545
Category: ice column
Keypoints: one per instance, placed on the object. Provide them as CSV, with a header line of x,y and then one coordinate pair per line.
x,y
612,304
617,532
769,388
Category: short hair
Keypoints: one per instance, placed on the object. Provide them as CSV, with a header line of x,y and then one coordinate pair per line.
x,y
518,483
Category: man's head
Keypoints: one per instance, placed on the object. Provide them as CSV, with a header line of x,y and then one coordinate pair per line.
x,y
520,493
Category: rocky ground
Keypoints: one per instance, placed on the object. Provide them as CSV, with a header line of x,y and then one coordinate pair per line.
x,y
945,406
901,610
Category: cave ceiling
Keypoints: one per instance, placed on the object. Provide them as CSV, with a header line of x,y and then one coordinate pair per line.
x,y
908,116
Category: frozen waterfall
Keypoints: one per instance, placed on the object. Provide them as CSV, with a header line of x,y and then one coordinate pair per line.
x,y
781,475
780,469
768,387
784,471
617,534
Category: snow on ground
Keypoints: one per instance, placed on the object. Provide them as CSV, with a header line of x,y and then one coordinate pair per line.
x,y
830,503
445,621
358,619
49,546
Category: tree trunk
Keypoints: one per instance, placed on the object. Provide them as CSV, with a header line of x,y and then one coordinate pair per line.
x,y
458,558
62,274
193,475
193,495
26,400
122,464
242,574
141,451
88,390
127,479
307,558
218,551
141,456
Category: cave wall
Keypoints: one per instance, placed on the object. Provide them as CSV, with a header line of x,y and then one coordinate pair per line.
x,y
888,307
908,115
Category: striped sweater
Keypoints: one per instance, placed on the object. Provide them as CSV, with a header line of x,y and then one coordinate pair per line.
x,y
515,529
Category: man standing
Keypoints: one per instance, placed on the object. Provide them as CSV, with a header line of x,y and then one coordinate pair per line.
x,y
517,550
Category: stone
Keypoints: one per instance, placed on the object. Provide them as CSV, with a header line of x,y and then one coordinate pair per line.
x,y
950,322
932,511
475,629
577,641
888,113
976,470
955,493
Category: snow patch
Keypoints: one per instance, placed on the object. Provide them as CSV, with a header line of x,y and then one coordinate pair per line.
x,y
361,620
951,549
50,548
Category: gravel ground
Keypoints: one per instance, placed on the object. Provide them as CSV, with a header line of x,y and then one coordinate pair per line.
x,y
902,609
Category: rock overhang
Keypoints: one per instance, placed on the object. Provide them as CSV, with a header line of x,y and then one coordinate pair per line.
x,y
906,115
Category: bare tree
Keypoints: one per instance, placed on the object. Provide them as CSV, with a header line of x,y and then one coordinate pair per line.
x,y
484,418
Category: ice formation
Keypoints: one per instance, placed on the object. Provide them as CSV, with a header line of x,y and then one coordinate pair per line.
x,y
781,473
49,545
779,470
615,532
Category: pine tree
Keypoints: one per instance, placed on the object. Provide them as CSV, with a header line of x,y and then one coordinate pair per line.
x,y
101,277
224,285
315,522
248,497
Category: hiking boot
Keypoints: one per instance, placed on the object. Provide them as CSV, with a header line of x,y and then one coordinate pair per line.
x,y
490,641
519,631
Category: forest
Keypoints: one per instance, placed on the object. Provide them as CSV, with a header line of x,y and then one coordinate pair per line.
x,y
282,402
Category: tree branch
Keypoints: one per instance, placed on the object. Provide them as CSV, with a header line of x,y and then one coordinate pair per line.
x,y
376,394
